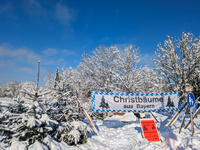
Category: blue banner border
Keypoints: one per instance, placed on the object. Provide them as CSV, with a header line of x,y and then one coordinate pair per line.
x,y
133,94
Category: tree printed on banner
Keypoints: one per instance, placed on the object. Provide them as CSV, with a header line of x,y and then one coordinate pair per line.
x,y
103,104
170,103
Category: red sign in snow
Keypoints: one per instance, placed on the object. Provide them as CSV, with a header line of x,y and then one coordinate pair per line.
x,y
149,130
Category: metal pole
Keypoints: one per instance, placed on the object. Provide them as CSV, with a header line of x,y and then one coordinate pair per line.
x,y
191,118
192,124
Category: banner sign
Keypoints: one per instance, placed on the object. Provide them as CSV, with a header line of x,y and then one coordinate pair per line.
x,y
134,102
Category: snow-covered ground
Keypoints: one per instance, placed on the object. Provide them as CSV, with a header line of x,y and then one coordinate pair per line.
x,y
116,135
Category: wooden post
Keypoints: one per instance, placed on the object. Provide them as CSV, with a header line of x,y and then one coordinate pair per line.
x,y
154,116
183,120
84,112
176,115
196,113
87,116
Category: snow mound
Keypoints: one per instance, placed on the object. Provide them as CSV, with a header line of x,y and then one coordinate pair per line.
x,y
127,117
38,146
17,145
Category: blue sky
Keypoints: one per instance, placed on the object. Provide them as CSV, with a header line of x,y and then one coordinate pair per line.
x,y
58,32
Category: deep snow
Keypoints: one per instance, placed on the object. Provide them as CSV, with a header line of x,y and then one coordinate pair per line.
x,y
116,135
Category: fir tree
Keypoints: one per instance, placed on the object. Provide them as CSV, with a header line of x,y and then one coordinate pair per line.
x,y
57,78
57,118
103,103
170,103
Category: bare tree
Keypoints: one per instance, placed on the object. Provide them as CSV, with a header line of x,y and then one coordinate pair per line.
x,y
178,60
112,69
49,79
11,89
129,75
2,88
98,68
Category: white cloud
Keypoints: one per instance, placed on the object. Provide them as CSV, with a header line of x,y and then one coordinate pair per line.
x,y
6,64
17,64
3,81
34,4
26,70
4,8
11,65
21,55
64,15
27,56
8,10
53,56
55,61
50,52
34,8
122,46
68,52
147,59
3,74
105,39
55,52
21,63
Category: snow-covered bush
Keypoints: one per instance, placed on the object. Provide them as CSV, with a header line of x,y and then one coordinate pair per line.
x,y
11,89
73,132
65,111
99,116
1,90
32,122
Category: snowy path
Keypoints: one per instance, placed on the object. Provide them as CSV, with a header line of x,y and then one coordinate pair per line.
x,y
116,135
111,136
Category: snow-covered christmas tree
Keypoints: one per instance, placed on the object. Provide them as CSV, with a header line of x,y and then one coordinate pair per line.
x,y
44,116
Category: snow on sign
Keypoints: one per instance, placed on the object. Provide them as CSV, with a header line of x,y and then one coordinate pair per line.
x,y
134,102
149,130
190,99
